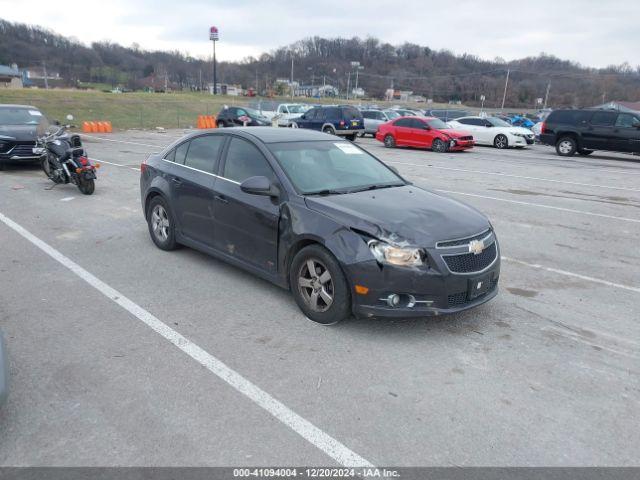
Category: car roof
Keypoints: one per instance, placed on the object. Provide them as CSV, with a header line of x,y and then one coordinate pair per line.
x,y
274,134
19,106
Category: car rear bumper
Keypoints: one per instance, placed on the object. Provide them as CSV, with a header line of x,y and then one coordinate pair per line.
x,y
547,139
357,131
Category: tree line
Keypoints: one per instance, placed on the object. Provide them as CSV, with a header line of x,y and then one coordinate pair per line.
x,y
437,74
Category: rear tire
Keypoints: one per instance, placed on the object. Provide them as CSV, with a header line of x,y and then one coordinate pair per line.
x,y
389,141
501,141
161,224
322,294
351,138
87,187
566,146
438,146
329,130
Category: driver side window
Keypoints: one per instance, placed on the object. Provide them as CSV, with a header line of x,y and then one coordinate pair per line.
x,y
626,120
244,160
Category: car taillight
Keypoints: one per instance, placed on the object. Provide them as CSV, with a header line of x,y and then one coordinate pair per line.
x,y
542,127
341,123
143,167
83,161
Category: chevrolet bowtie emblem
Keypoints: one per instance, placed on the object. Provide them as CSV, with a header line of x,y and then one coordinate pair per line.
x,y
476,247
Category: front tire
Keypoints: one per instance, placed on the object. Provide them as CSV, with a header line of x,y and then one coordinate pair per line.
x,y
329,130
389,141
161,224
221,124
438,146
566,146
351,138
501,141
87,187
318,286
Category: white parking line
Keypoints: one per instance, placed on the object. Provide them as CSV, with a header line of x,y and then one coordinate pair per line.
x,y
567,182
574,275
67,199
562,209
123,141
332,447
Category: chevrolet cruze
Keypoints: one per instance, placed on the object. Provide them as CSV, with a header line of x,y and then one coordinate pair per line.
x,y
322,217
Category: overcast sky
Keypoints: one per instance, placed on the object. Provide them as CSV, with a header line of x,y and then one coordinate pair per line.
x,y
593,32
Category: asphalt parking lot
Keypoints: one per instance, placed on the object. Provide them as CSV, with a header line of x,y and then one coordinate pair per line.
x,y
546,374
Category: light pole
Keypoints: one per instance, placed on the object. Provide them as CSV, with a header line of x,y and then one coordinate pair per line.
x,y
482,99
291,80
214,36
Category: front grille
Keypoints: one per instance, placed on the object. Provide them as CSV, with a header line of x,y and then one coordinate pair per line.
x,y
466,138
23,150
462,241
470,262
462,298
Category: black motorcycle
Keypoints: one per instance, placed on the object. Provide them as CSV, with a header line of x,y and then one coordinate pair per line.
x,y
64,159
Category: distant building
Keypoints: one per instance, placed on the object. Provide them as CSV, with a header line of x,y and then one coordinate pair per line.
x,y
10,77
621,106
40,77
226,89
315,91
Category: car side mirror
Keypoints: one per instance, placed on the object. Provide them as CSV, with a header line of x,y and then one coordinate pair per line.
x,y
426,127
259,186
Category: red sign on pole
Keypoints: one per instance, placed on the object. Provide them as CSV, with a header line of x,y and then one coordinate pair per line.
x,y
213,33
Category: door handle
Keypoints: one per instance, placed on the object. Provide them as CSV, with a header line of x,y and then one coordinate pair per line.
x,y
221,199
177,181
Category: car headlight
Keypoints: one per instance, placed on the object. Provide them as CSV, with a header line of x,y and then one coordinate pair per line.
x,y
385,253
517,134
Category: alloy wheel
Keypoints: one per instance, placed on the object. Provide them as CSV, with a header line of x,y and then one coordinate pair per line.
x,y
316,285
160,223
565,147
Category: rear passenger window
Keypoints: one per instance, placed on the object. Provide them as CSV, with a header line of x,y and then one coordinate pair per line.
x,y
603,119
171,156
244,160
203,152
181,152
403,122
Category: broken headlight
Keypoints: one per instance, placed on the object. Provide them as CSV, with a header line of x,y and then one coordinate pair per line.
x,y
403,256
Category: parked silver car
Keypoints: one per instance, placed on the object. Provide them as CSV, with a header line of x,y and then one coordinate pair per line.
x,y
4,371
374,118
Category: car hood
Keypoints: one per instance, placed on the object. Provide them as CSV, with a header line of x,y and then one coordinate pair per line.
x,y
524,131
19,133
402,215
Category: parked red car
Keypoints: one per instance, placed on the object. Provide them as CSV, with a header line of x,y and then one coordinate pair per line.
x,y
427,132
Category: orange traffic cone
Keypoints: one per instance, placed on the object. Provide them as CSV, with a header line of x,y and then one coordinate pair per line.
x,y
213,122
93,127
108,127
86,128
102,127
200,122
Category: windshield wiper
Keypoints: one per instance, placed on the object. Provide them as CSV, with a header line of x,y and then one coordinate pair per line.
x,y
327,192
376,187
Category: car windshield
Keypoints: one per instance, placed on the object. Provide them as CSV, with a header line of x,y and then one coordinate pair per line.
x,y
392,114
297,108
254,113
19,116
437,124
332,167
497,122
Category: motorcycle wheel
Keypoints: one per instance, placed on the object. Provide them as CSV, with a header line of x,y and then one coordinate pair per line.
x,y
87,187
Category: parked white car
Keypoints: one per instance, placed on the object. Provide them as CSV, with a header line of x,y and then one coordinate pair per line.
x,y
373,118
285,112
494,131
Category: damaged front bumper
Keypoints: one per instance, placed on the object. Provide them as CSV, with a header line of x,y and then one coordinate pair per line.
x,y
431,289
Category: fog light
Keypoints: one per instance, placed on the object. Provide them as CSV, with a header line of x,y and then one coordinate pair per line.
x,y
393,300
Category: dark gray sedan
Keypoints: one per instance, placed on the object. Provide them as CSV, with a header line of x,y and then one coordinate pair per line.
x,y
322,217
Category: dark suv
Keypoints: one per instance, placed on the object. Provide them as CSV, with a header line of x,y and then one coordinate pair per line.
x,y
346,121
583,131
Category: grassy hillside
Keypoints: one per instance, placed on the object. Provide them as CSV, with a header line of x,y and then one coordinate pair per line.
x,y
125,110
132,110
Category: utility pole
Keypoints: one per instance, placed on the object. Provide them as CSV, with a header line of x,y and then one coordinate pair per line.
x,y
546,95
348,83
506,84
214,36
291,81
324,84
